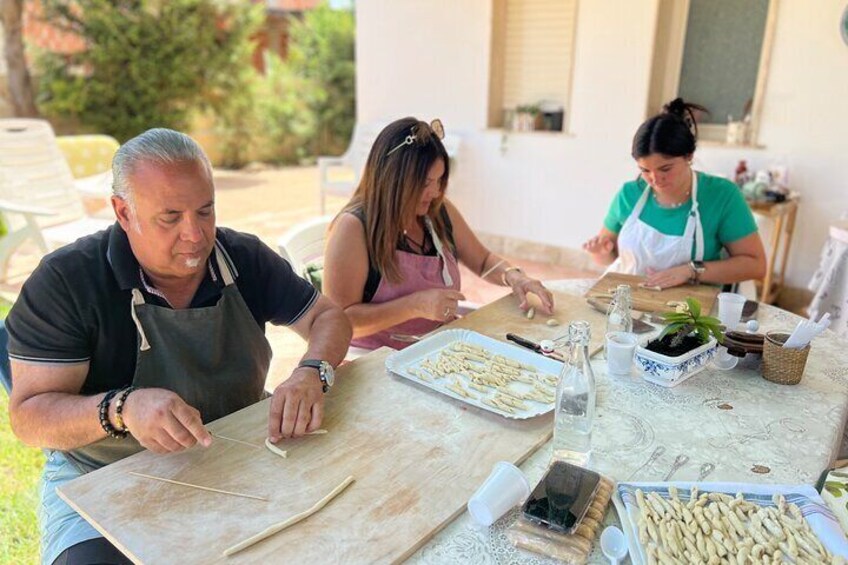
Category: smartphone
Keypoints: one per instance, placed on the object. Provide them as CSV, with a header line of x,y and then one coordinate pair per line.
x,y
562,497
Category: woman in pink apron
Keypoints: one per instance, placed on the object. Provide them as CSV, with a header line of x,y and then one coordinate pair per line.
x,y
673,224
392,255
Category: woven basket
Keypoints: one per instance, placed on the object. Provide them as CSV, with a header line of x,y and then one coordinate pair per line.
x,y
781,365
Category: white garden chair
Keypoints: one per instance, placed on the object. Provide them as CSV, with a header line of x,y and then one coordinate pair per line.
x,y
340,176
303,244
38,198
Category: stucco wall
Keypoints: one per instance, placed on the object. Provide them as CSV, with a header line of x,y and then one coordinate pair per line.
x,y
431,59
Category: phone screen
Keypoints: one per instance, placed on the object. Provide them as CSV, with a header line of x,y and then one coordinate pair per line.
x,y
562,497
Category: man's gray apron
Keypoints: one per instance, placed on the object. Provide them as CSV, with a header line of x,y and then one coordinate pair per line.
x,y
215,358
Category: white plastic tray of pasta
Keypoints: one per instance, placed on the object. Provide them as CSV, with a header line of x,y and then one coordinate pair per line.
x,y
728,523
481,371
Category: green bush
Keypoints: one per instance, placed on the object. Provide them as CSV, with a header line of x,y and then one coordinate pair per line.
x,y
321,51
147,63
301,107
156,63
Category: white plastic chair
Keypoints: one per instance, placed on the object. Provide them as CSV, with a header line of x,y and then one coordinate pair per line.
x,y
340,175
38,198
303,244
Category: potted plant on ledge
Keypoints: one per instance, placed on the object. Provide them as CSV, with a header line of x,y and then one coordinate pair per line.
x,y
685,346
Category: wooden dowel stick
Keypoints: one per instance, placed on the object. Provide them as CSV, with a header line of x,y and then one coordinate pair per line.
x,y
210,489
491,270
271,530
227,438
219,436
596,351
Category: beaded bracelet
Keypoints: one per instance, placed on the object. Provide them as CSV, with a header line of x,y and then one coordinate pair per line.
x,y
103,410
119,409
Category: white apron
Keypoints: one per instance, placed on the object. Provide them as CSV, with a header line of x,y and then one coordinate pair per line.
x,y
642,247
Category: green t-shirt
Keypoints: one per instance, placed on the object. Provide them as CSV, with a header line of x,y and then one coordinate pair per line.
x,y
725,216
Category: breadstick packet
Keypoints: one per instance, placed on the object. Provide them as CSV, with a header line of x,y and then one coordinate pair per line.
x,y
569,548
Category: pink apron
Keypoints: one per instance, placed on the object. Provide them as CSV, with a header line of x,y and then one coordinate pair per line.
x,y
419,272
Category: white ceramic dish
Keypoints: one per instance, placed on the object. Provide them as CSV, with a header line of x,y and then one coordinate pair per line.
x,y
817,514
671,371
400,362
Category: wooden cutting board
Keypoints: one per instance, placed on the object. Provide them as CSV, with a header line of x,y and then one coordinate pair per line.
x,y
503,316
653,300
416,455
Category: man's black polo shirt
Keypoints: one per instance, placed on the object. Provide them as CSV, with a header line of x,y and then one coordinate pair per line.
x,y
75,307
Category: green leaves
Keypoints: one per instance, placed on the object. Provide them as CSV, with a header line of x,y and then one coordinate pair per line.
x,y
146,63
835,488
691,321
694,307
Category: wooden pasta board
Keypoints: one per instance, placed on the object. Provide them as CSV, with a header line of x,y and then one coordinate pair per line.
x,y
503,316
653,300
416,455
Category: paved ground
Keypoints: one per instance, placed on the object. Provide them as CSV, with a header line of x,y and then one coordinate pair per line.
x,y
268,202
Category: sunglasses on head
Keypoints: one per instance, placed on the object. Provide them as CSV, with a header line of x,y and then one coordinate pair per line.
x,y
435,126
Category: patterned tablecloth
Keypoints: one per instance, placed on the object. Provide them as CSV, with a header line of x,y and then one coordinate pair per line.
x,y
726,426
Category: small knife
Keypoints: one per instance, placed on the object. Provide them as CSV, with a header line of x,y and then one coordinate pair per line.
x,y
533,346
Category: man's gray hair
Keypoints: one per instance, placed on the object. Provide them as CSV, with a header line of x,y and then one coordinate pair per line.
x,y
159,146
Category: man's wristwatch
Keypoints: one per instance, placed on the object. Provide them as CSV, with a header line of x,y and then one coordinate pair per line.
x,y
698,268
325,371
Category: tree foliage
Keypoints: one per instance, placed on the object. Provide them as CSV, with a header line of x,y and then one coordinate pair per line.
x,y
321,52
147,63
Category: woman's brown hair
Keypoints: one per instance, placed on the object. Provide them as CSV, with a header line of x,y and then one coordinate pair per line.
x,y
391,187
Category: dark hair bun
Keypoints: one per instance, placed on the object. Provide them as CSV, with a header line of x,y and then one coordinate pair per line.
x,y
685,111
676,107
672,132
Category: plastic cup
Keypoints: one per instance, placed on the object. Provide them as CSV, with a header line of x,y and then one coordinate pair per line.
x,y
505,488
620,349
730,309
723,360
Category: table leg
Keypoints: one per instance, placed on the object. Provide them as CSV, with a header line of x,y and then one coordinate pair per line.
x,y
790,228
765,294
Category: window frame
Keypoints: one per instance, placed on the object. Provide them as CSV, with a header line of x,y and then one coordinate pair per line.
x,y
497,72
667,63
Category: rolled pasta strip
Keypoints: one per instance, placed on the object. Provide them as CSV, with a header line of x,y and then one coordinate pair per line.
x,y
274,449
271,530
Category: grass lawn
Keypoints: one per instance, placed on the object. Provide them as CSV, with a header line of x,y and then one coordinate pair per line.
x,y
20,469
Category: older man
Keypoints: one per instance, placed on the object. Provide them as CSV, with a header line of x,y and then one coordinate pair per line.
x,y
135,336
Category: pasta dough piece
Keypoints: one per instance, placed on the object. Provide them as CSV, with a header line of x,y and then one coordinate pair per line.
x,y
271,530
274,449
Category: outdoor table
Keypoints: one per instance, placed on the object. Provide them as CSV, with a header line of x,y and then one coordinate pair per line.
x,y
418,455
736,423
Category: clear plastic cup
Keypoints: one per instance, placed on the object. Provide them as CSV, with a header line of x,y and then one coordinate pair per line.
x,y
505,488
730,309
620,349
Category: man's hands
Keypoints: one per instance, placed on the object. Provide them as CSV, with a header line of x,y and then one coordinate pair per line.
x,y
297,406
162,422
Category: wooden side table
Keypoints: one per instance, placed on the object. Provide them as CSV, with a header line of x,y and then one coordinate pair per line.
x,y
783,214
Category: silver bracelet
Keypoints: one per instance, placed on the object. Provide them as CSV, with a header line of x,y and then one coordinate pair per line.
x,y
507,270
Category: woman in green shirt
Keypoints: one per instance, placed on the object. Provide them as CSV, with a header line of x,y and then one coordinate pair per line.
x,y
672,223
